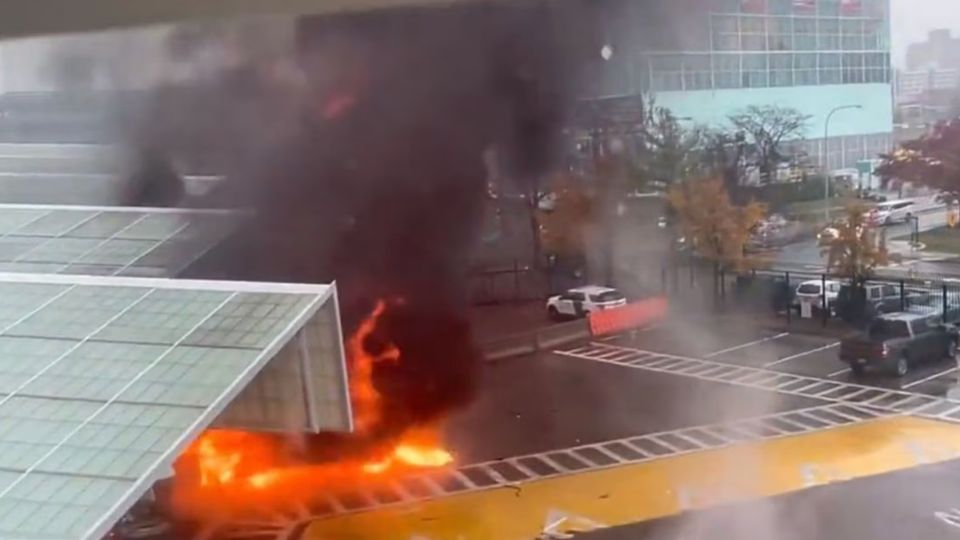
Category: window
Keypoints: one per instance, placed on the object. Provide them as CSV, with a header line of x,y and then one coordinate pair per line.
x,y
696,72
809,288
780,34
805,69
890,290
781,69
875,293
829,33
804,34
755,71
830,72
575,296
753,33
667,73
727,70
853,68
852,31
829,7
920,327
886,329
726,33
609,296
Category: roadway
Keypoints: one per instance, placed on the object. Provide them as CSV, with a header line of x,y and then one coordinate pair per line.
x,y
642,430
808,255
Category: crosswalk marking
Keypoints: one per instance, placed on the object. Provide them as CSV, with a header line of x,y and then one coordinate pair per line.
x,y
894,401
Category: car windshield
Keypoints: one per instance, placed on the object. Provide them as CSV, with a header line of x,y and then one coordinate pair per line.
x,y
809,288
609,296
887,329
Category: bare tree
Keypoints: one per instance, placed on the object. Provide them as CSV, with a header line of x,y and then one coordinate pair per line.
x,y
766,128
669,150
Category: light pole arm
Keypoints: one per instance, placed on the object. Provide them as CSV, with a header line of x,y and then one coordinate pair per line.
x,y
826,161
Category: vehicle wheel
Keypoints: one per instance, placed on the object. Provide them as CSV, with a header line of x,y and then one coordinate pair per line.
x,y
902,367
553,313
857,370
951,349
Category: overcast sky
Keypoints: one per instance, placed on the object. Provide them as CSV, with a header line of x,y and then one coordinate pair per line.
x,y
912,19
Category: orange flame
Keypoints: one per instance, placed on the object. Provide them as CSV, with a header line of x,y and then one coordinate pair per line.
x,y
236,469
367,401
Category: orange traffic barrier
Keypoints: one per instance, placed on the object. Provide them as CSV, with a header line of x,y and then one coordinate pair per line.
x,y
628,317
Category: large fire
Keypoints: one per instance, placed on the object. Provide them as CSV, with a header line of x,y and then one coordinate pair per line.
x,y
224,469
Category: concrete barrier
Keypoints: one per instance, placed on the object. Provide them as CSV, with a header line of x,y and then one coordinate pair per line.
x,y
59,150
534,341
81,164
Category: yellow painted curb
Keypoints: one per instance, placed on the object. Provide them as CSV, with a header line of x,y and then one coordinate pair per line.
x,y
659,488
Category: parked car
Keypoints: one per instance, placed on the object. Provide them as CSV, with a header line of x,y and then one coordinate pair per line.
x,y
875,300
888,213
813,292
581,301
896,342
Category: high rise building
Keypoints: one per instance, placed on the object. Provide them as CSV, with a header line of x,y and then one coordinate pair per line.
x,y
708,59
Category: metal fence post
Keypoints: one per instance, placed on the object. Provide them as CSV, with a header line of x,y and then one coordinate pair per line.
x,y
903,297
944,316
786,297
824,309
723,284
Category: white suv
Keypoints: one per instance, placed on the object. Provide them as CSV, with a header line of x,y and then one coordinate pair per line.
x,y
581,301
812,292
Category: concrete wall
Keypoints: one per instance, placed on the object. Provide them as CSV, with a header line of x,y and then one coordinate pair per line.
x,y
713,107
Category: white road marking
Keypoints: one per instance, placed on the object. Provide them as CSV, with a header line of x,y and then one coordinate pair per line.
x,y
930,378
745,345
838,373
610,338
800,355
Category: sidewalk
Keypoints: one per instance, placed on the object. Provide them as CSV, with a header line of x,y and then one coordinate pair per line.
x,y
908,252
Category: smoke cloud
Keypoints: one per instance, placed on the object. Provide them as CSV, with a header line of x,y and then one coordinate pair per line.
x,y
363,156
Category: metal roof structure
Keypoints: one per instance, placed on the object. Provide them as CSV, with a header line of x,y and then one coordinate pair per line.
x,y
121,241
32,17
105,380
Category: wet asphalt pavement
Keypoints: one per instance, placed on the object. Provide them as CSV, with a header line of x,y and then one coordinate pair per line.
x,y
922,503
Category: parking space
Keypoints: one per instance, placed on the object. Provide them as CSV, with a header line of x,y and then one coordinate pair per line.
x,y
549,401
794,353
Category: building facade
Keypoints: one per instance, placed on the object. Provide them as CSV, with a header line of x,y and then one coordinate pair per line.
x,y
940,51
713,58
915,86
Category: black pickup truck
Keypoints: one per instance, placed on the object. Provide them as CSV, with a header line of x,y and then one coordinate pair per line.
x,y
899,341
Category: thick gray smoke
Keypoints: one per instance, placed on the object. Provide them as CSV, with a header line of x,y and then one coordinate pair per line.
x,y
368,168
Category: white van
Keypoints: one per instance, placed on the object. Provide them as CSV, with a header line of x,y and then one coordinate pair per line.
x,y
890,212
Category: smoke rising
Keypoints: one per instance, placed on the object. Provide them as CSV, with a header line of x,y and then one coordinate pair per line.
x,y
368,168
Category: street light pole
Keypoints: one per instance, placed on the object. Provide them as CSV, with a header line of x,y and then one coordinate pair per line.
x,y
826,163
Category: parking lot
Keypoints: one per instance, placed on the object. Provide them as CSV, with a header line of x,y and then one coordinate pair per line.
x,y
638,430
782,351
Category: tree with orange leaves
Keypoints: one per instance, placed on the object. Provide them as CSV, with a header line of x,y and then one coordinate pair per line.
x,y
716,228
859,247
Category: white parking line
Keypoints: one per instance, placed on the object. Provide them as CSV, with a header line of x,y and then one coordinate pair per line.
x,y
840,372
930,378
801,355
745,345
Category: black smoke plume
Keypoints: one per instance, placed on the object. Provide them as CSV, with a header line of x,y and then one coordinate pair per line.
x,y
379,181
